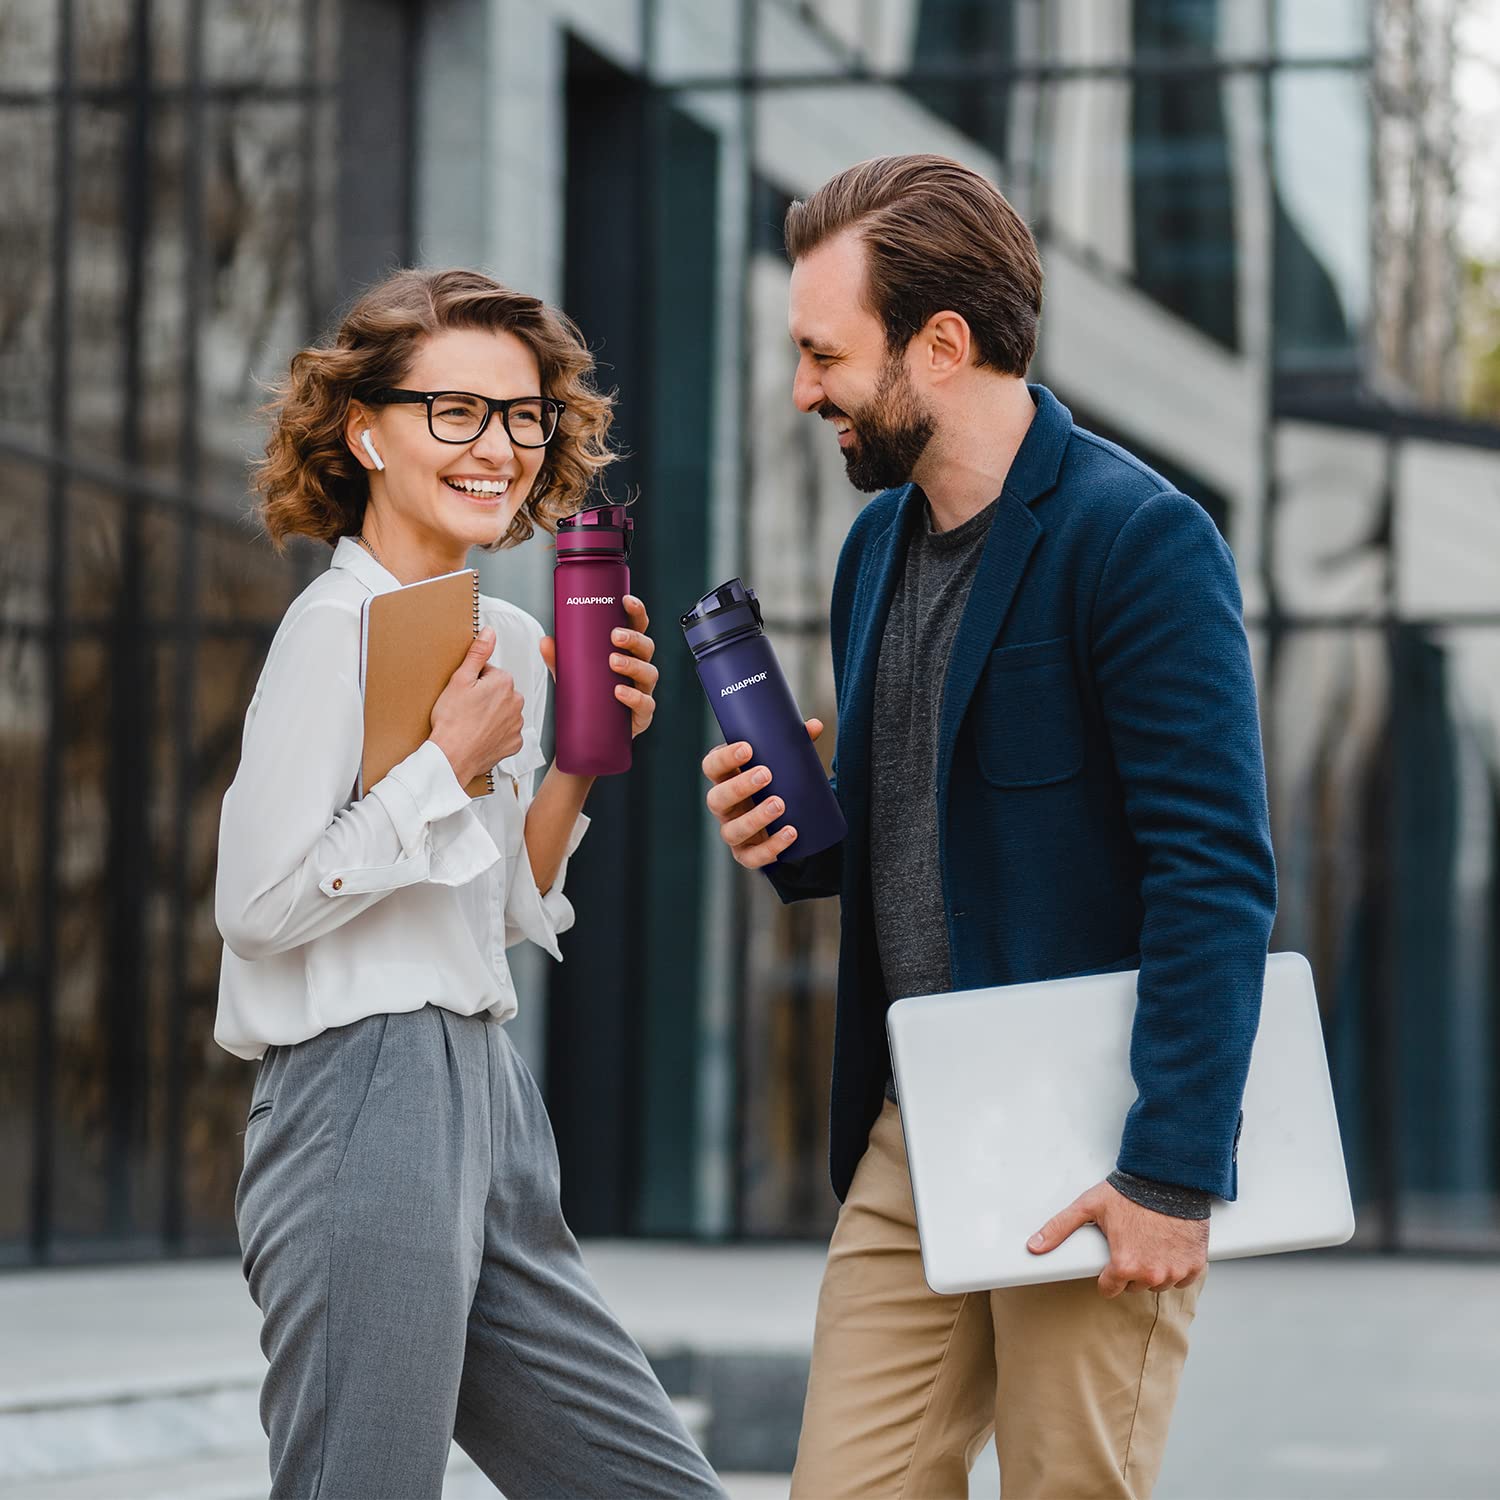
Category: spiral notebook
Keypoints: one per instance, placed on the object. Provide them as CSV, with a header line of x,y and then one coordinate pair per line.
x,y
411,641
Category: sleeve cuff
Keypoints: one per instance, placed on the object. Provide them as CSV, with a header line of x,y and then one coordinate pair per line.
x,y
1161,1197
442,839
418,792
529,913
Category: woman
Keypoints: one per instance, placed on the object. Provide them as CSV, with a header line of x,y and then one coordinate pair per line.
x,y
398,1209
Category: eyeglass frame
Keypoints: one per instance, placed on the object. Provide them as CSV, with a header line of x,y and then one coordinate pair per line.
x,y
396,396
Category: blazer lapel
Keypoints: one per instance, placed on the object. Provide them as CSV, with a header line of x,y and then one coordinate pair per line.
x,y
1033,472
1015,531
1007,549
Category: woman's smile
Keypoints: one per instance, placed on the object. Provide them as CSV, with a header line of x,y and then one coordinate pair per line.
x,y
481,491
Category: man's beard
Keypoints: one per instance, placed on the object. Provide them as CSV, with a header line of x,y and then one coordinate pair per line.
x,y
890,434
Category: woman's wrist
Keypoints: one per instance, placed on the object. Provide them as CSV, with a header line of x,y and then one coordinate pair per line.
x,y
459,766
550,820
579,785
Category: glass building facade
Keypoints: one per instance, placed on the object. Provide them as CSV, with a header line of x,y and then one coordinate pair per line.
x,y
194,188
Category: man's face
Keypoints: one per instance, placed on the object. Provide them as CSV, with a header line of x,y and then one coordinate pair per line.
x,y
846,373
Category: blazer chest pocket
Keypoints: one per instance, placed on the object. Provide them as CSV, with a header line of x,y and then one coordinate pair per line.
x,y
1028,729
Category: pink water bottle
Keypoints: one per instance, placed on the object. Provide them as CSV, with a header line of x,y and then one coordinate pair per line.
x,y
589,584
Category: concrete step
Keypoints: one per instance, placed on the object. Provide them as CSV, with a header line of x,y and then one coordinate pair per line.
x,y
236,1475
91,1431
239,1474
195,1446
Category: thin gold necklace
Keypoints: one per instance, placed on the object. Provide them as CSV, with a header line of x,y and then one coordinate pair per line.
x,y
359,537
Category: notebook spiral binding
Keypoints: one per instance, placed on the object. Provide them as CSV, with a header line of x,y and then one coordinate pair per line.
x,y
489,776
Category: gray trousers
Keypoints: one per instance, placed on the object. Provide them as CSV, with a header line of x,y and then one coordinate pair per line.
x,y
399,1220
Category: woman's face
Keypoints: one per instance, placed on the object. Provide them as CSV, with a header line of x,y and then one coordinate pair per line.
x,y
457,494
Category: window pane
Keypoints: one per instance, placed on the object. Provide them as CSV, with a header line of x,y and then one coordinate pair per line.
x,y
81,1145
164,300
256,314
1446,867
99,557
1383,756
169,40
692,40
1447,528
28,44
1328,29
1328,539
23,559
102,41
1182,187
24,705
1325,698
259,41
96,363
26,268
215,1085
1322,220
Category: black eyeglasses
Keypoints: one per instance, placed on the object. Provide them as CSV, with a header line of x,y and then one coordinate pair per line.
x,y
460,416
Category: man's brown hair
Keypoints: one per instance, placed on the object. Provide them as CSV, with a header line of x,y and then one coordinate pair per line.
x,y
938,237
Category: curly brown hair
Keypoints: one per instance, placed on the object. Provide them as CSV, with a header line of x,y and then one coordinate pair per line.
x,y
309,484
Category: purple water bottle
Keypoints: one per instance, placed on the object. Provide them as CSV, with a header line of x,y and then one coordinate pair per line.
x,y
752,702
589,584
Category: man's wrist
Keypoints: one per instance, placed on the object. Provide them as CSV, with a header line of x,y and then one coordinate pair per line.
x,y
1161,1197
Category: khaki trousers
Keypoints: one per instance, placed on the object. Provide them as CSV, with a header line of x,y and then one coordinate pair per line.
x,y
907,1386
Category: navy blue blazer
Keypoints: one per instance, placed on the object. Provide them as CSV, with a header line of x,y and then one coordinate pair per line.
x,y
1101,792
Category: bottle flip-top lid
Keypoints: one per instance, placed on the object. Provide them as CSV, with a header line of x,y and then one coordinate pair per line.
x,y
730,609
601,530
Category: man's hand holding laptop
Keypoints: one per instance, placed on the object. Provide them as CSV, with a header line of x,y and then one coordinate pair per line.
x,y
1148,1251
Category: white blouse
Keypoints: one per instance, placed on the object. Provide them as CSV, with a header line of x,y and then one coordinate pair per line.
x,y
333,909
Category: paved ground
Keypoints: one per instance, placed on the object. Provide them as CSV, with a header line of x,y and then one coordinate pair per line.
x,y
1326,1376
1310,1377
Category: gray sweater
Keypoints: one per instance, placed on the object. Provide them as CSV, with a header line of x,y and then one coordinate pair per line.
x,y
911,931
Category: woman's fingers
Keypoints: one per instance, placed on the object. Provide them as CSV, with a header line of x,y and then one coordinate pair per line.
x,y
634,667
634,642
639,618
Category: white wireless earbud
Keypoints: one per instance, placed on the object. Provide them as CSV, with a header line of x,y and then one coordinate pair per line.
x,y
364,437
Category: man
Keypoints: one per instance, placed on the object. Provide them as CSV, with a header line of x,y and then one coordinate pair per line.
x,y
1049,758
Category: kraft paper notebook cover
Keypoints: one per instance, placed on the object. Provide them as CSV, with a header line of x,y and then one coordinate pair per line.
x,y
411,642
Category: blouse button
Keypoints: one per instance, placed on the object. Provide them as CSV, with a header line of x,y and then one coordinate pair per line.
x,y
338,885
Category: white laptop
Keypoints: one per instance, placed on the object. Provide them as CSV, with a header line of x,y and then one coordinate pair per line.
x,y
1013,1100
